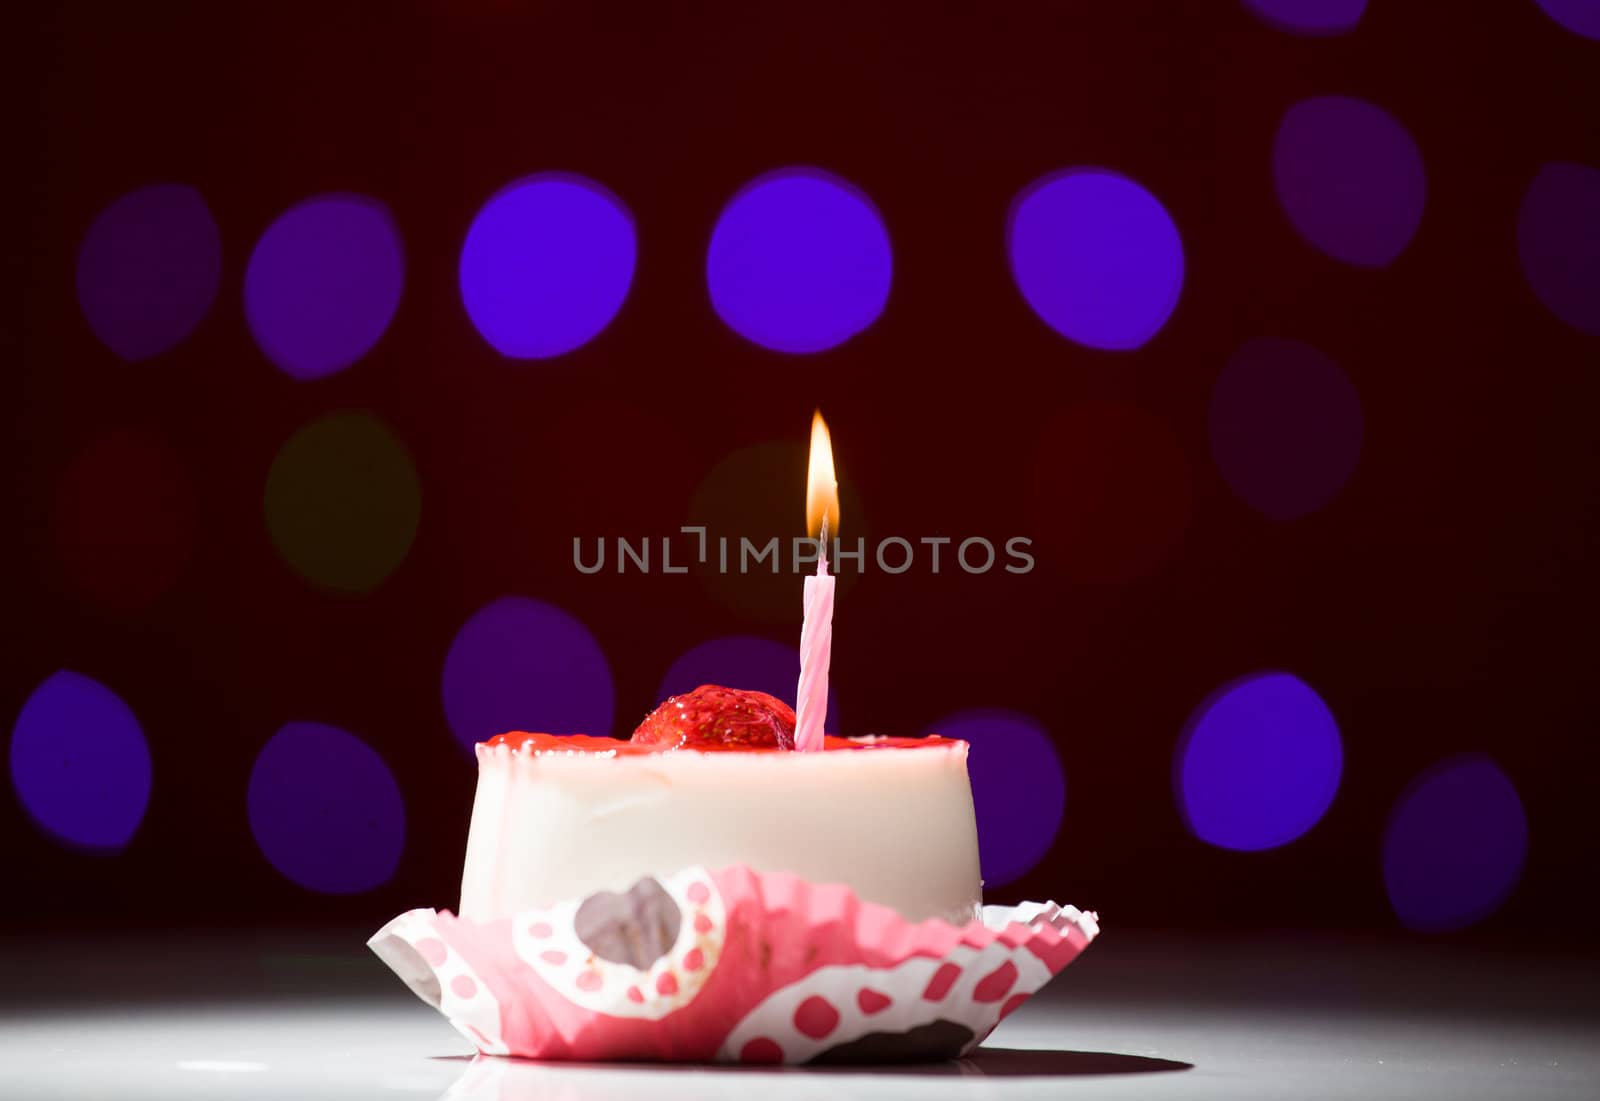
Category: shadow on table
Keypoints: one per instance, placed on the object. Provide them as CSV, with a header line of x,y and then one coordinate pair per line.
x,y
498,1079
1001,1062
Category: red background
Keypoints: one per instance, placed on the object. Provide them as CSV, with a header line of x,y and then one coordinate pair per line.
x,y
1442,603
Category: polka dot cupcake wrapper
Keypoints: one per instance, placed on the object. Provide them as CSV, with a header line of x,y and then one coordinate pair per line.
x,y
924,1006
732,965
440,976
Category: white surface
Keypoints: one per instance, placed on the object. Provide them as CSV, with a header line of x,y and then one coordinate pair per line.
x,y
896,825
1250,1019
364,1050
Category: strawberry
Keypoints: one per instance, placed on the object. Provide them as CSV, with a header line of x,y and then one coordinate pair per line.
x,y
712,715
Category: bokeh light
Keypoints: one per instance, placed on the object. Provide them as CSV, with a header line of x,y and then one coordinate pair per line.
x,y
546,265
323,283
1558,242
1350,179
80,763
343,502
799,261
758,493
148,269
1109,492
123,519
325,809
1578,16
1258,763
1019,789
1310,17
1096,256
744,661
522,664
1455,844
1285,427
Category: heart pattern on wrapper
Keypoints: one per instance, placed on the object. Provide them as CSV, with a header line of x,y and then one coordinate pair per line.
x,y
607,952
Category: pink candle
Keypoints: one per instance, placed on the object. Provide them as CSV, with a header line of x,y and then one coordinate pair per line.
x,y
816,631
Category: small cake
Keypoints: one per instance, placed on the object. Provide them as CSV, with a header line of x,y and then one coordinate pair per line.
x,y
711,778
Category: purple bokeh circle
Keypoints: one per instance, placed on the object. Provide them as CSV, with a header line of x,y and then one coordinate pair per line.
x,y
522,664
148,269
546,265
1581,17
325,809
1350,179
1258,763
1097,257
1558,242
1019,789
323,284
1310,17
80,763
744,661
799,261
1285,426
1455,844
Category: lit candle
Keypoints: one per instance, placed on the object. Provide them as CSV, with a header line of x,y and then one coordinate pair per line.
x,y
816,631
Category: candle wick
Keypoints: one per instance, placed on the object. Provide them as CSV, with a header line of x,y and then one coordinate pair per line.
x,y
822,545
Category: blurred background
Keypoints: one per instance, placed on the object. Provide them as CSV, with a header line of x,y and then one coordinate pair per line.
x,y
1274,326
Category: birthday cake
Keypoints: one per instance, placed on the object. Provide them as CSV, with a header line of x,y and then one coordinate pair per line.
x,y
711,778
730,884
706,891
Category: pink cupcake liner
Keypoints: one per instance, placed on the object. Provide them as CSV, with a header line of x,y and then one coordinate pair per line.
x,y
732,965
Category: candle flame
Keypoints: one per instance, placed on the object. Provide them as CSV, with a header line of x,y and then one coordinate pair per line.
x,y
822,487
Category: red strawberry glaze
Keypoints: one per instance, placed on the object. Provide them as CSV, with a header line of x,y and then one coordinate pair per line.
x,y
710,719
559,744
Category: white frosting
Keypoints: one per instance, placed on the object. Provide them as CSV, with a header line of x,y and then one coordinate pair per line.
x,y
895,825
